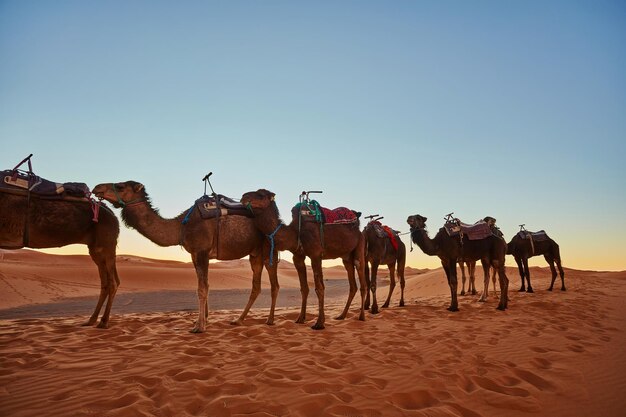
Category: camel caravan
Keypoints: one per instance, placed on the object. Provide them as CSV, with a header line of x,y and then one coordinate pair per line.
x,y
38,213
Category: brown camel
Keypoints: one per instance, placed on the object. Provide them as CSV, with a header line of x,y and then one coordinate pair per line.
x,y
224,238
471,267
525,245
379,249
37,222
343,241
490,250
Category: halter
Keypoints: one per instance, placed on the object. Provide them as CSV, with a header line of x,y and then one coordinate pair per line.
x,y
123,203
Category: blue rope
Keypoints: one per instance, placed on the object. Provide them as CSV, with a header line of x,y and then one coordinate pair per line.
x,y
186,219
271,238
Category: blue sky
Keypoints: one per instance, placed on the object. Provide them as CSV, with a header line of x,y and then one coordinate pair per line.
x,y
509,109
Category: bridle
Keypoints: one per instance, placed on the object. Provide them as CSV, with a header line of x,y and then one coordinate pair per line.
x,y
123,203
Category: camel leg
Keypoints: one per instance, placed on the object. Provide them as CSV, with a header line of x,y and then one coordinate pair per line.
x,y
450,269
318,277
201,263
557,259
349,265
550,261
529,287
256,263
401,264
372,284
359,264
471,287
114,283
109,281
392,282
298,261
486,277
494,273
462,265
520,267
504,285
369,285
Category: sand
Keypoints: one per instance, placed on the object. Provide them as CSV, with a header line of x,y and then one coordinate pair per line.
x,y
551,353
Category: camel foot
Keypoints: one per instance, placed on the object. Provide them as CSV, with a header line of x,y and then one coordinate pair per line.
x,y
300,320
453,308
362,316
550,289
270,322
401,303
563,289
375,310
196,330
501,308
236,323
317,326
482,300
103,325
529,290
463,292
367,306
474,292
340,317
89,323
522,289
386,305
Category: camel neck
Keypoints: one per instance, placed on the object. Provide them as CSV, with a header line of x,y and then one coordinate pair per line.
x,y
268,222
425,243
147,221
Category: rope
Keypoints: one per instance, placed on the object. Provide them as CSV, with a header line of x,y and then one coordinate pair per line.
x,y
271,238
186,219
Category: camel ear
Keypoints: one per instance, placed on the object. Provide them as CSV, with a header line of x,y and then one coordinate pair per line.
x,y
272,195
138,187
425,218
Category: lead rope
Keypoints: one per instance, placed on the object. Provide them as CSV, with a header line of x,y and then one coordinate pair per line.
x,y
271,238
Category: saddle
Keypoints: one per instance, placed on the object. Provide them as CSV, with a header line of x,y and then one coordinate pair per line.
x,y
24,183
384,232
477,231
539,236
313,212
211,207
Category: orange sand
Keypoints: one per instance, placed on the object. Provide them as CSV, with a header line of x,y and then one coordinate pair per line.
x,y
552,353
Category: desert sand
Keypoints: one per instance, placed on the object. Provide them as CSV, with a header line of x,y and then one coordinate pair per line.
x,y
551,353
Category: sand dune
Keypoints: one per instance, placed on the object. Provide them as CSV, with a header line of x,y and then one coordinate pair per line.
x,y
552,353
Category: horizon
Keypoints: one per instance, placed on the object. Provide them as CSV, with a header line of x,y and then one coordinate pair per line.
x,y
509,110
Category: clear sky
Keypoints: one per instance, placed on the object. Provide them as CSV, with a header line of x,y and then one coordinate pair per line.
x,y
515,110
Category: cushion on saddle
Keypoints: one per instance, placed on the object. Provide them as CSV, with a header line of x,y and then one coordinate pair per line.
x,y
210,207
477,231
312,211
539,236
383,231
23,182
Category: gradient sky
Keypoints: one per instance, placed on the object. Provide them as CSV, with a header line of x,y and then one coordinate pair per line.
x,y
515,110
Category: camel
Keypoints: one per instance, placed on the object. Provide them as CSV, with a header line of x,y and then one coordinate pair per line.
x,y
524,248
380,250
224,238
490,250
32,221
471,267
303,239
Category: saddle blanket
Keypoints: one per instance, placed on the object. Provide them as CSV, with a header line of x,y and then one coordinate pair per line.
x,y
314,212
386,232
539,236
477,231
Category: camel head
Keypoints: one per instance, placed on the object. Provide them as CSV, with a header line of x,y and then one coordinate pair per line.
x,y
417,222
122,193
259,199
